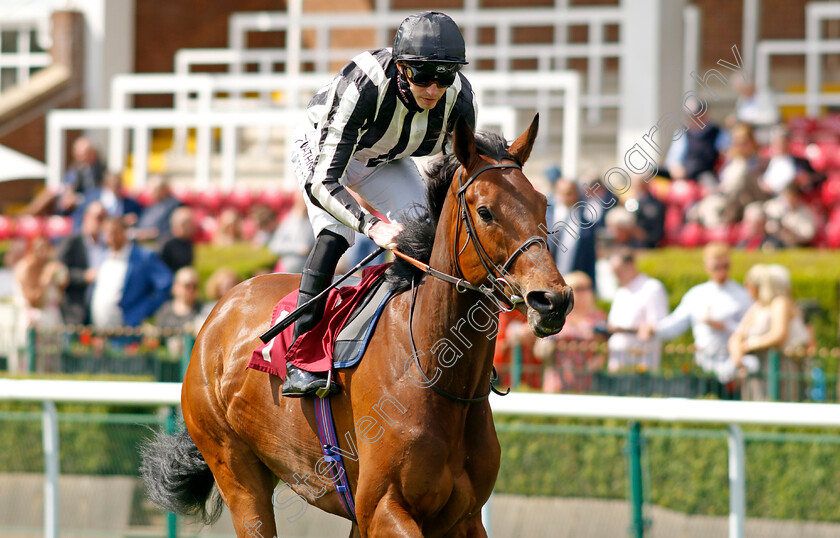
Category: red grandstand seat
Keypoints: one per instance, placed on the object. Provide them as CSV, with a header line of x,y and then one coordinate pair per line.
x,y
249,228
210,199
185,194
29,227
7,227
817,157
239,198
830,192
143,197
207,228
832,234
683,193
692,235
57,227
802,124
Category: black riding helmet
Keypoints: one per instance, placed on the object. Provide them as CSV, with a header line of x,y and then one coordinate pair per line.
x,y
429,36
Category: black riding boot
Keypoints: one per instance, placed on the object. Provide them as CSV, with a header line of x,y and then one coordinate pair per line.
x,y
316,277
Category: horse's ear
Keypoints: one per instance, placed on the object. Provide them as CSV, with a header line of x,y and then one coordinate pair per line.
x,y
463,143
521,147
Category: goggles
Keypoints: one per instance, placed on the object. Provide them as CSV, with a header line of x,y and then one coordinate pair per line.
x,y
423,74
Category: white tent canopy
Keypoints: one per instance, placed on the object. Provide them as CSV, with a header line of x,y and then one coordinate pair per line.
x,y
16,165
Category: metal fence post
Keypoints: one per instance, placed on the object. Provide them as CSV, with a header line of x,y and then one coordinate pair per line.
x,y
634,454
171,519
51,469
30,350
773,375
737,482
516,366
189,342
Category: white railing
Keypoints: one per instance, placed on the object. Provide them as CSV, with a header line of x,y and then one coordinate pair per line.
x,y
549,405
508,25
814,48
142,121
23,60
499,97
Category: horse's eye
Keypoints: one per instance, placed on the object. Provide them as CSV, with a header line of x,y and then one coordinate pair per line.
x,y
485,214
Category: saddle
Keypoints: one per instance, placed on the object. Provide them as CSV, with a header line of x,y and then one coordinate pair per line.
x,y
340,339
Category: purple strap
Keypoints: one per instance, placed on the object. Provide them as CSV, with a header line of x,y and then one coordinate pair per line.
x,y
329,445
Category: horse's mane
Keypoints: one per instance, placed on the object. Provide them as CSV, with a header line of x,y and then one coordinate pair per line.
x,y
418,235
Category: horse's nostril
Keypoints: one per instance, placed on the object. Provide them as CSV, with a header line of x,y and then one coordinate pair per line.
x,y
540,300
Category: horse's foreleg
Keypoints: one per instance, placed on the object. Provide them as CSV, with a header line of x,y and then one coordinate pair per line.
x,y
390,518
355,532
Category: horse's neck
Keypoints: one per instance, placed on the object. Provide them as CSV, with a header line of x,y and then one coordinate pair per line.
x,y
449,324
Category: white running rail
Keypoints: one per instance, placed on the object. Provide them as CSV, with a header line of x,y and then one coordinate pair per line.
x,y
556,405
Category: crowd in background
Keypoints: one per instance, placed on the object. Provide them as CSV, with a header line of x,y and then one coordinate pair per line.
x,y
130,261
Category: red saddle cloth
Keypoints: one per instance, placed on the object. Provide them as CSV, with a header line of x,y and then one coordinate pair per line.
x,y
313,351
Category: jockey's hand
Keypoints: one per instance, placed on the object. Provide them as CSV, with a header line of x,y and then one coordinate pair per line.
x,y
385,234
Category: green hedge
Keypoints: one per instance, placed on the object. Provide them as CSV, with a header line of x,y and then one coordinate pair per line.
x,y
687,470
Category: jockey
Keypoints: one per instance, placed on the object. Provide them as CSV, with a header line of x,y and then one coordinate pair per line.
x,y
383,107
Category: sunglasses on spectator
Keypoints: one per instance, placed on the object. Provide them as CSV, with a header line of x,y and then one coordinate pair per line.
x,y
582,288
423,74
719,266
189,284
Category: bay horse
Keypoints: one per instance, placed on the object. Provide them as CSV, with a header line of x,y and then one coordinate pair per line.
x,y
430,463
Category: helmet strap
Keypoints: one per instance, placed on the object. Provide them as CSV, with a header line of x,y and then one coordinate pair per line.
x,y
404,91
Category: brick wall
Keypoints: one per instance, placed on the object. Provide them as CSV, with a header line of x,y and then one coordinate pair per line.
x,y
163,27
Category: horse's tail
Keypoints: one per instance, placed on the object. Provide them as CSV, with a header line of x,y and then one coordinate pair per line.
x,y
178,479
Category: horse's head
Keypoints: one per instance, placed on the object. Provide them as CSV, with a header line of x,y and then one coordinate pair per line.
x,y
499,231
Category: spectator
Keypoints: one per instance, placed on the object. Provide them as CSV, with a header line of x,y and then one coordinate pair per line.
x,y
8,283
790,219
622,228
181,311
131,283
293,238
41,283
755,109
694,154
738,182
84,175
265,221
639,300
230,228
82,254
220,282
573,248
569,367
783,168
154,222
649,212
772,322
712,310
753,233
112,198
177,250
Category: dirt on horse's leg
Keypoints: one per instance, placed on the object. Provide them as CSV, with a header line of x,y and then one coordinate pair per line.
x,y
391,519
246,485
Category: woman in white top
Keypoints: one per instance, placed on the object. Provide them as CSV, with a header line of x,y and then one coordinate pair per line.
x,y
772,322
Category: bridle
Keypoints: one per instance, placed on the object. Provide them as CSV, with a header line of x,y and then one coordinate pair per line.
x,y
501,291
510,294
